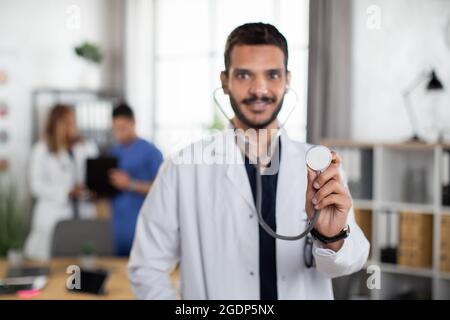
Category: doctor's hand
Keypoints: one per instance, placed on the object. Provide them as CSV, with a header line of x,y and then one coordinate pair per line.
x,y
77,192
326,192
119,179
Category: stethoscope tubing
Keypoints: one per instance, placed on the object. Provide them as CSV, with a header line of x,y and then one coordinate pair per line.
x,y
265,226
262,223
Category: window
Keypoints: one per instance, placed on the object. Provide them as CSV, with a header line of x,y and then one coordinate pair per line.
x,y
190,39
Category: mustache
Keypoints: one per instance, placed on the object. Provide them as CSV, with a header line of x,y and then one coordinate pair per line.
x,y
255,99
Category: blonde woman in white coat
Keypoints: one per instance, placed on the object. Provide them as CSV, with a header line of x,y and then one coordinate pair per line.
x,y
57,168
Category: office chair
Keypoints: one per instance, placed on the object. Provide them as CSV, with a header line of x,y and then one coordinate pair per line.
x,y
73,238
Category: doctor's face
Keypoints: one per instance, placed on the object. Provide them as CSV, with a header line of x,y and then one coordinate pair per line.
x,y
71,128
124,130
256,83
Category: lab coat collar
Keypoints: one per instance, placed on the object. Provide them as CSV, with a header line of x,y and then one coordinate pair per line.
x,y
236,172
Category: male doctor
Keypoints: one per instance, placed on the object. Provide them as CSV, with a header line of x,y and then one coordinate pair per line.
x,y
201,213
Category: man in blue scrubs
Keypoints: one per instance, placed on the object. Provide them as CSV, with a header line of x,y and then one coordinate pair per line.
x,y
138,164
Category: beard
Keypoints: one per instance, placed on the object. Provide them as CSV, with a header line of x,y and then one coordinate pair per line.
x,y
252,124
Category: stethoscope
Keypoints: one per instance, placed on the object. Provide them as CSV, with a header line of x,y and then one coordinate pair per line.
x,y
318,158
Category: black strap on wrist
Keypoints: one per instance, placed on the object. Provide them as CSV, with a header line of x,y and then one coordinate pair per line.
x,y
326,240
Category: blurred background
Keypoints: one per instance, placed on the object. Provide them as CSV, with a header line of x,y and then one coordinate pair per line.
x,y
372,78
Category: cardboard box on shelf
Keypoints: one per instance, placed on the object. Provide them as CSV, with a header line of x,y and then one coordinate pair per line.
x,y
445,243
363,218
416,240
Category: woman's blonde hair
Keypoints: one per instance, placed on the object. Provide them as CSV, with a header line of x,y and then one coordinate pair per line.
x,y
56,129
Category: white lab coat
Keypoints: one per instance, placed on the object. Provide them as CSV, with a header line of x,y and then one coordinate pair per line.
x,y
52,177
203,217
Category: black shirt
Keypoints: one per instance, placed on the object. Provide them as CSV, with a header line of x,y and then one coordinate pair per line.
x,y
267,253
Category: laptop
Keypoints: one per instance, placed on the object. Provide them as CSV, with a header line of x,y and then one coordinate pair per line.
x,y
91,281
14,272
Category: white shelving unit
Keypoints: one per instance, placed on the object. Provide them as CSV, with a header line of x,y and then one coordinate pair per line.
x,y
387,183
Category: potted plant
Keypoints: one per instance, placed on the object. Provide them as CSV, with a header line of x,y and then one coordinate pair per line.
x,y
92,57
12,219
88,257
217,124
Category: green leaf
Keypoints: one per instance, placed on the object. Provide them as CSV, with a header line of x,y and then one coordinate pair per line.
x,y
90,52
12,218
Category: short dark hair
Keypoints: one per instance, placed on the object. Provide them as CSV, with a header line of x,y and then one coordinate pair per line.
x,y
123,110
257,33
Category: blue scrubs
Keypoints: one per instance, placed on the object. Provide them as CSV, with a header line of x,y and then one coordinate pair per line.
x,y
141,161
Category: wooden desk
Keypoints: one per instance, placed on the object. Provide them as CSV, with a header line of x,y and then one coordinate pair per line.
x,y
117,286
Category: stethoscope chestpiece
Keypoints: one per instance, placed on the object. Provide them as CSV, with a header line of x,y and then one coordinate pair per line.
x,y
318,158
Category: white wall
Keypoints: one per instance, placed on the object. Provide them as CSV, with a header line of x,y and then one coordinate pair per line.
x,y
139,60
411,38
36,48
